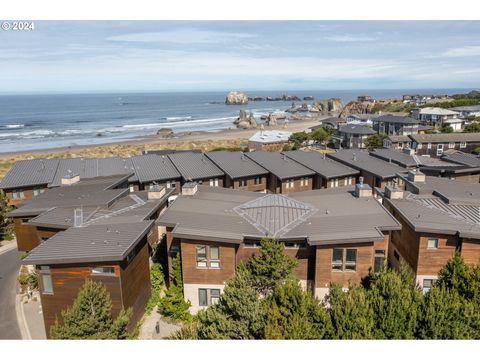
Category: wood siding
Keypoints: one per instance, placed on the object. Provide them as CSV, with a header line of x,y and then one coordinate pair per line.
x,y
251,186
27,237
433,150
297,187
471,251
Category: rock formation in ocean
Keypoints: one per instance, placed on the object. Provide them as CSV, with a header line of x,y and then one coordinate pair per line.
x,y
308,98
328,105
303,108
293,108
245,121
273,118
358,107
236,98
165,132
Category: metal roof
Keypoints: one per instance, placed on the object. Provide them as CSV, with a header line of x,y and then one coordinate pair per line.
x,y
398,138
322,165
279,164
30,173
396,119
361,160
154,167
356,129
193,166
407,160
437,111
92,244
445,138
236,164
471,108
462,158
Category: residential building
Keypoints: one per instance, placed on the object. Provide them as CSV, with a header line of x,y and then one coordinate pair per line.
x,y
285,174
268,140
152,170
333,122
241,172
395,125
197,167
397,142
438,117
473,110
435,144
352,136
337,237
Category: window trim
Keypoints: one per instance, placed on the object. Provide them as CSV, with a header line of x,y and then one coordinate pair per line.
x,y
208,296
208,259
463,144
349,263
340,262
436,243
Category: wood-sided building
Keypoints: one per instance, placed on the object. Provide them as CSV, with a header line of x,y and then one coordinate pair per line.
x,y
151,170
440,218
352,136
435,145
395,125
329,173
285,175
197,167
114,254
335,235
241,172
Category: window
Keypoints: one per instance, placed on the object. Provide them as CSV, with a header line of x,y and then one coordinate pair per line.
x,y
18,194
104,270
351,260
337,260
304,182
251,244
132,188
170,184
334,183
427,285
47,284
419,146
432,243
463,145
295,245
243,183
202,256
289,184
429,146
214,182
257,180
210,261
378,260
451,145
214,257
208,297
38,191
25,220
174,249
349,180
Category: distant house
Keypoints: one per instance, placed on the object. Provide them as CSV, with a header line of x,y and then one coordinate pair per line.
x,y
285,174
438,117
473,110
197,167
241,172
352,136
333,122
435,144
268,140
397,142
363,98
395,125
361,119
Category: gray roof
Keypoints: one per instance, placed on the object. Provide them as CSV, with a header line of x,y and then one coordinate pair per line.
x,y
361,160
96,243
445,138
154,167
236,164
398,138
396,119
333,121
356,129
462,158
320,216
279,165
471,108
30,173
322,165
193,166
407,160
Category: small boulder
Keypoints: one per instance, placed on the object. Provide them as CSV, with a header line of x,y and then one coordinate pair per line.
x,y
165,132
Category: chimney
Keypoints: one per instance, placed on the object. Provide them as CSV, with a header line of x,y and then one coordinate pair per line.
x,y
155,192
189,188
416,176
393,193
78,217
70,178
362,190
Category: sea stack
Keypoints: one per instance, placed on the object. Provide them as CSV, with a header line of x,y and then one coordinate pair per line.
x,y
236,98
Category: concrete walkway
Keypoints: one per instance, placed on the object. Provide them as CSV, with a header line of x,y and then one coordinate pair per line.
x,y
31,317
148,330
7,245
9,265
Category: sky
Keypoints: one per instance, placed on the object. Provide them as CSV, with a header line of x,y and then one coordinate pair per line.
x,y
105,56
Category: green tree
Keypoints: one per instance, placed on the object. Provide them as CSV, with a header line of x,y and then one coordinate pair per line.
x,y
6,224
90,316
375,141
298,139
295,314
271,268
446,129
173,303
318,135
473,127
395,300
351,313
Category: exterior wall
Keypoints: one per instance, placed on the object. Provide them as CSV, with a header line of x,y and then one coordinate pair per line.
x,y
178,185
251,186
424,150
27,192
190,292
297,185
471,178
470,251
206,181
27,237
342,181
257,146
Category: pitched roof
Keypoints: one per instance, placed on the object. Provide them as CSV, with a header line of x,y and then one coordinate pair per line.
x,y
398,138
396,119
279,165
30,173
236,164
322,165
462,158
193,166
471,108
407,160
445,138
270,136
437,111
356,129
154,167
361,160
96,243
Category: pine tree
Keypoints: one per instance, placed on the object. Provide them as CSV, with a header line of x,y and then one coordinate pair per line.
x,y
173,303
90,316
351,313
6,225
271,268
293,313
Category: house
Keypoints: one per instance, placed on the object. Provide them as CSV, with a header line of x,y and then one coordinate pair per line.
x,y
268,140
473,110
285,174
375,172
333,122
435,144
438,117
367,98
329,173
462,158
395,125
151,170
337,237
397,142
361,119
197,167
241,172
439,217
352,136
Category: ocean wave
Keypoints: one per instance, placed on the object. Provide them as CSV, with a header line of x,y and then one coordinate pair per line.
x,y
12,126
173,118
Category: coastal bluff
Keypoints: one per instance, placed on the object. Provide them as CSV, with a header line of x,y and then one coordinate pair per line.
x,y
236,98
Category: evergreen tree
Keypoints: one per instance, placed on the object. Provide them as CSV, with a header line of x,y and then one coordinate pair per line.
x,y
351,313
271,268
375,141
173,303
295,314
90,316
6,224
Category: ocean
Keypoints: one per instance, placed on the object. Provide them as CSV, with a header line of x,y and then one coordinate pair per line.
x,y
32,122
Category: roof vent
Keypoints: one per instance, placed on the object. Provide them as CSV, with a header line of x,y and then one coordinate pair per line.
x,y
189,188
362,190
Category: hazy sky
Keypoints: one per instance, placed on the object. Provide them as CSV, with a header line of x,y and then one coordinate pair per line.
x,y
102,56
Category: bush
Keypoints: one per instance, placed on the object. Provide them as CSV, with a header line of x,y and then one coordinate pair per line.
x,y
27,279
476,150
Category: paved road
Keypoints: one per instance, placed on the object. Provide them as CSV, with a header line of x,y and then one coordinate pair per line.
x,y
9,266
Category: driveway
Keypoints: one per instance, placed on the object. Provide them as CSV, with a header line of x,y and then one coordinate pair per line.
x,y
9,266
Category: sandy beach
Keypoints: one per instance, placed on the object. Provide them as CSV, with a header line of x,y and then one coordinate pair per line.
x,y
204,140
